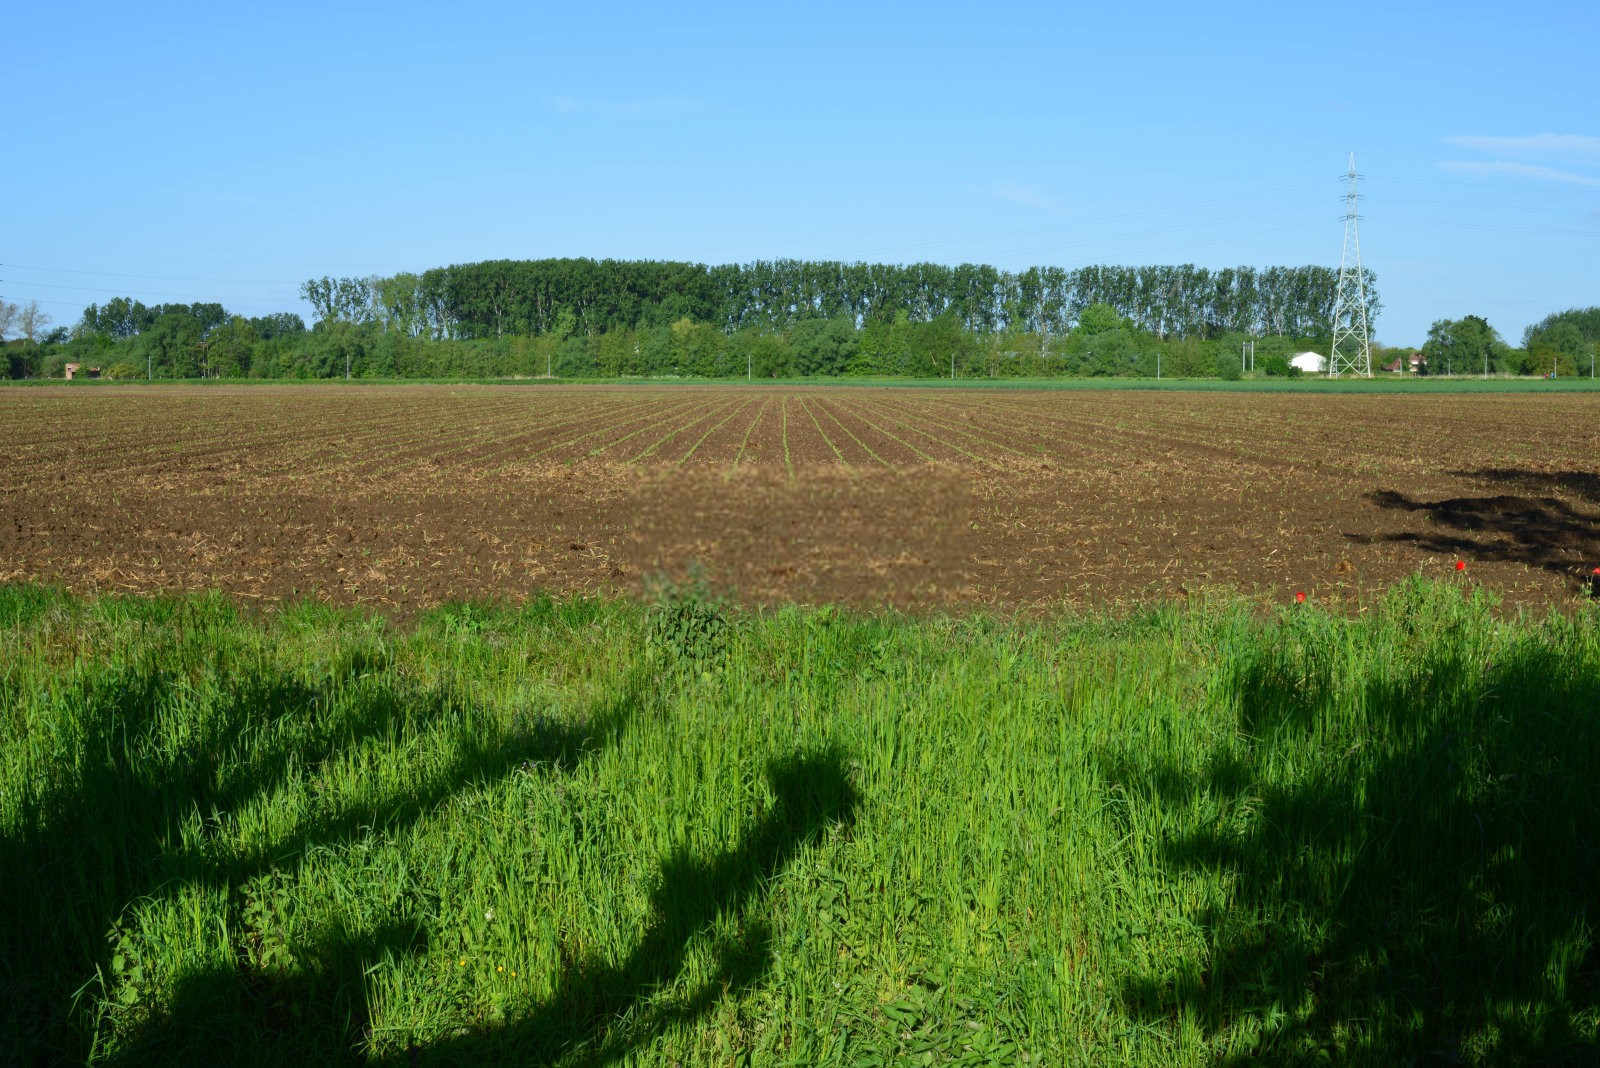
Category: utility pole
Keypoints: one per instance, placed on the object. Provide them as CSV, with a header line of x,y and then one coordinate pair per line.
x,y
1352,350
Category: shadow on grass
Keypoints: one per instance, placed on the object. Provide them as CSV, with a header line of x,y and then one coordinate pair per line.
x,y
111,835
1542,532
602,1011
1423,889
123,832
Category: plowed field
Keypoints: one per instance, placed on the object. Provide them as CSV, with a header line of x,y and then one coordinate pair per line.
x,y
401,497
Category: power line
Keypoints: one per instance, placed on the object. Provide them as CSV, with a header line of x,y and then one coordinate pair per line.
x,y
124,291
155,277
63,303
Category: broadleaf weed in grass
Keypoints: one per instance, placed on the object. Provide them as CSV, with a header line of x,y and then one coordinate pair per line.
x,y
687,623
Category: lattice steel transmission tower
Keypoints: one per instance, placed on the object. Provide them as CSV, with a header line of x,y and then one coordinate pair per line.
x,y
1352,351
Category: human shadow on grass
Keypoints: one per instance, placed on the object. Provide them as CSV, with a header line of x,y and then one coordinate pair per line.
x,y
86,849
1426,893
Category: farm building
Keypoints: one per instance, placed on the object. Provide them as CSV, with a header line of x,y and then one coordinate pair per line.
x,y
1310,363
74,370
1414,364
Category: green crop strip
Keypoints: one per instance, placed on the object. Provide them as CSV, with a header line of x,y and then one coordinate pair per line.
x,y
744,442
701,440
823,434
783,408
851,435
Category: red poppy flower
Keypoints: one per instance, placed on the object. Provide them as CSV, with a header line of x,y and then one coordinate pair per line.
x,y
1300,598
1461,565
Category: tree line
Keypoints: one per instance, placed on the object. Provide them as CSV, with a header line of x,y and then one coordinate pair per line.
x,y
581,318
531,298
1563,344
127,340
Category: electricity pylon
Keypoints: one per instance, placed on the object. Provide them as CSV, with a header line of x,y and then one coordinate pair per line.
x,y
1352,351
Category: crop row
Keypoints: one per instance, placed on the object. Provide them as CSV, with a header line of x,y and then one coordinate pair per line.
x,y
355,436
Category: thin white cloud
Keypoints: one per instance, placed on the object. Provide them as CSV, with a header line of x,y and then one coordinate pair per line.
x,y
654,107
1543,144
1026,196
1519,170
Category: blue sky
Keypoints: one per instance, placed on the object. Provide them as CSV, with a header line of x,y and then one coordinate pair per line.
x,y
179,152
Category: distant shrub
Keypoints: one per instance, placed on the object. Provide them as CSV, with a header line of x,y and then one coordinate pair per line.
x,y
1228,368
1279,367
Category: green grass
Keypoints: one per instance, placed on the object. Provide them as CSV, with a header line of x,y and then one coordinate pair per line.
x,y
582,831
1304,384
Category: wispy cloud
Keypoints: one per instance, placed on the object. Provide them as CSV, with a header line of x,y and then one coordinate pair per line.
x,y
1026,196
1542,144
1519,170
656,108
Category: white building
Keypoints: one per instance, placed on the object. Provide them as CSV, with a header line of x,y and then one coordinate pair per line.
x,y
1310,363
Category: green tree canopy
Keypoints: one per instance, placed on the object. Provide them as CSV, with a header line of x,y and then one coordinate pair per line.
x,y
169,346
1098,319
1464,346
229,348
1567,332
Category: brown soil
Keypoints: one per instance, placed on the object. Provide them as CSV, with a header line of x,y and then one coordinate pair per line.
x,y
402,497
